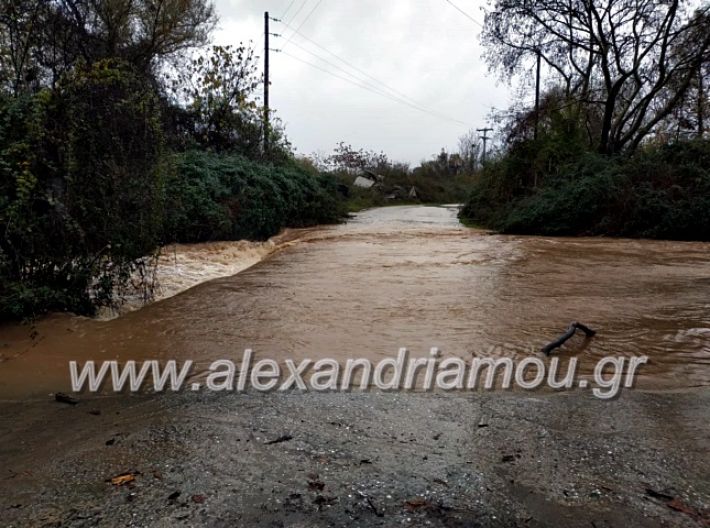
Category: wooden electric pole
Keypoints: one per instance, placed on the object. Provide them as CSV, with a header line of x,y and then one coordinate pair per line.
x,y
485,139
266,83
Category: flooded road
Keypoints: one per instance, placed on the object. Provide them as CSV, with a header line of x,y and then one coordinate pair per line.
x,y
407,277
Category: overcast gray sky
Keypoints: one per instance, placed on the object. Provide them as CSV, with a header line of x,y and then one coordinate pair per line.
x,y
426,50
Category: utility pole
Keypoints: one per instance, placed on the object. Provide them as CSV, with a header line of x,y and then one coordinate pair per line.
x,y
537,94
485,139
266,82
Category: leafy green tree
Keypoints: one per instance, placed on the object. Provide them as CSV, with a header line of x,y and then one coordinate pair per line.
x,y
215,96
42,40
218,90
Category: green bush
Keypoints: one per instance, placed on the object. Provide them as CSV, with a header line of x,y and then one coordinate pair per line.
x,y
217,197
80,190
660,192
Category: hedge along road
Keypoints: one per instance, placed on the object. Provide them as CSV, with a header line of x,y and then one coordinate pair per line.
x,y
405,277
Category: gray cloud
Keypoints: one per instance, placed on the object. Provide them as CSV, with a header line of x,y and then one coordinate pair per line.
x,y
422,48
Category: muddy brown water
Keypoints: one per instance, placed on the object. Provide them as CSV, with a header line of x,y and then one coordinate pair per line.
x,y
405,277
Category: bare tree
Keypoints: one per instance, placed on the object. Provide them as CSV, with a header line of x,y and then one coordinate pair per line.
x,y
20,22
469,149
628,63
346,157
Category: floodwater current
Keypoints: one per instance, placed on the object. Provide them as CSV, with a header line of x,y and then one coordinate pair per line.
x,y
409,276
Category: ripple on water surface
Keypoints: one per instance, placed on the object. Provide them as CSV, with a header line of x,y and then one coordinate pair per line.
x,y
414,277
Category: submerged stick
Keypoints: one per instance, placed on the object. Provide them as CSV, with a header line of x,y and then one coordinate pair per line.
x,y
573,327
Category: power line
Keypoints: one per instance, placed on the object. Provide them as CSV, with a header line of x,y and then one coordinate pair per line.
x,y
302,23
464,13
396,94
300,8
374,87
287,9
370,89
379,88
333,65
356,83
394,91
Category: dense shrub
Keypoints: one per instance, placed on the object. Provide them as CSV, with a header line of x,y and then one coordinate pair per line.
x,y
213,197
80,190
87,192
660,192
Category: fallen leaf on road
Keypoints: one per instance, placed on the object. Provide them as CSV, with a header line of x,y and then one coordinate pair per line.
x,y
674,503
679,505
120,480
416,503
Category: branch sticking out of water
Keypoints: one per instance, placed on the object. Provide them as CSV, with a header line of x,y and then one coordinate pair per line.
x,y
573,327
